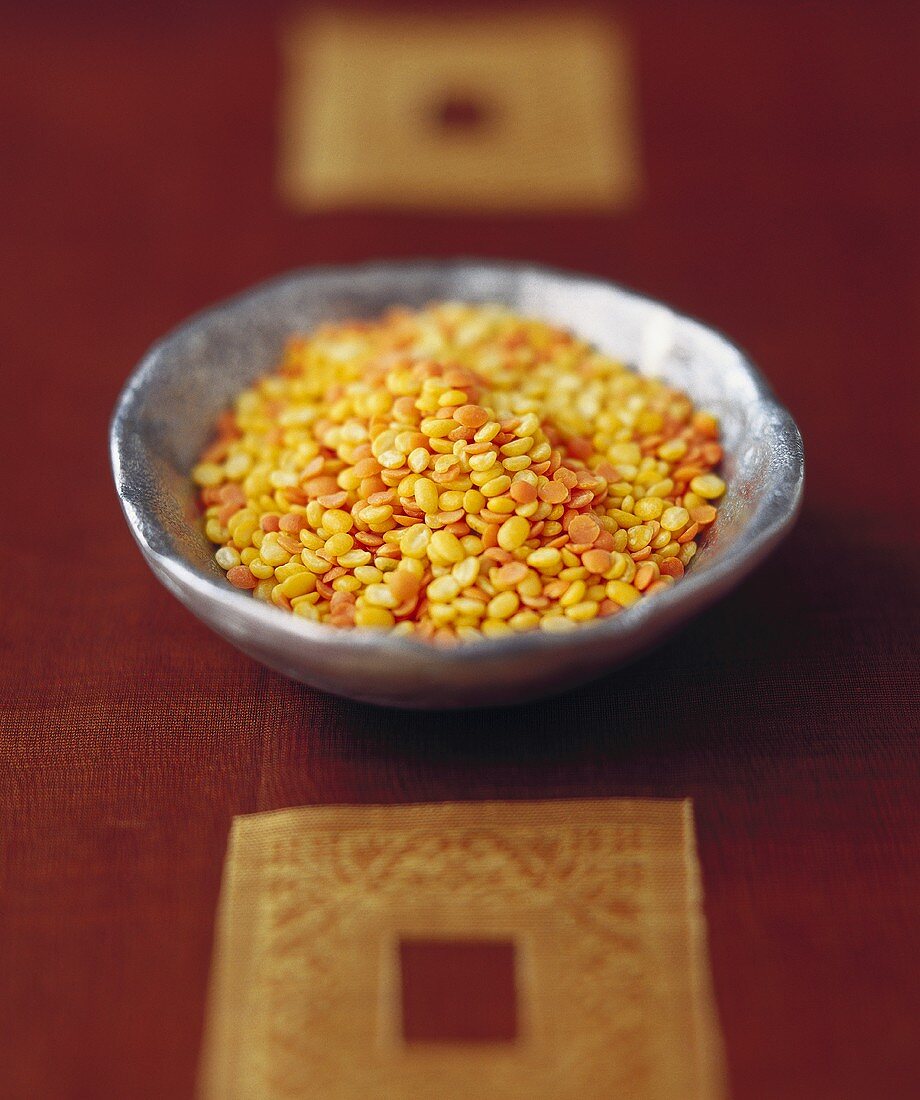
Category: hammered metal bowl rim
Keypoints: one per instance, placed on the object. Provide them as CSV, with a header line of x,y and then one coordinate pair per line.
x,y
772,518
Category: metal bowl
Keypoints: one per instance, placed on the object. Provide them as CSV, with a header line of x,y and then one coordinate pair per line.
x,y
167,410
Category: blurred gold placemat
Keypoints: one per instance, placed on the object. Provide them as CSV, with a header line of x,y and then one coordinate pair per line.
x,y
484,111
348,937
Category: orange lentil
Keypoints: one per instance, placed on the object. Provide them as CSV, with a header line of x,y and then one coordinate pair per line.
x,y
292,523
227,425
596,561
584,529
471,416
579,447
523,492
490,536
661,585
320,486
333,500
405,585
240,577
217,452
703,515
369,486
511,573
671,567
553,492
568,477
227,511
367,467
404,409
705,424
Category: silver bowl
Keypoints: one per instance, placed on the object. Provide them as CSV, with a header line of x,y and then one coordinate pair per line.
x,y
167,410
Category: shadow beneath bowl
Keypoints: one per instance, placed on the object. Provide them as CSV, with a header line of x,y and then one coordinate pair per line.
x,y
741,681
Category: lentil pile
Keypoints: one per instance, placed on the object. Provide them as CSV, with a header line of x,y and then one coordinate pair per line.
x,y
457,472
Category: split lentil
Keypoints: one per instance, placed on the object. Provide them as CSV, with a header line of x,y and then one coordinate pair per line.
x,y
454,473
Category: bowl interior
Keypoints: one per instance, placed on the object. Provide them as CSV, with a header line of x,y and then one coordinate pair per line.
x,y
191,376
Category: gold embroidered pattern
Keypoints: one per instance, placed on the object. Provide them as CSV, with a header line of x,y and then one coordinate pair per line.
x,y
501,111
602,902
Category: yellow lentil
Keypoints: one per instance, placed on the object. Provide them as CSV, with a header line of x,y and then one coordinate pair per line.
x,y
379,595
513,533
545,558
622,593
374,616
495,486
708,486
445,547
466,571
227,557
314,562
675,519
337,522
259,569
426,494
574,594
298,585
377,514
582,612
444,589
414,542
504,605
337,545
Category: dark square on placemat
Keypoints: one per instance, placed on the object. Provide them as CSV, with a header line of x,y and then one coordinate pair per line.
x,y
458,991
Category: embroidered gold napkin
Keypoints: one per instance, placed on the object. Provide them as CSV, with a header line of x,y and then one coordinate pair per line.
x,y
496,949
528,109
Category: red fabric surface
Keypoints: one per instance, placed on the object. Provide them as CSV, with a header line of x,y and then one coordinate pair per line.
x,y
781,174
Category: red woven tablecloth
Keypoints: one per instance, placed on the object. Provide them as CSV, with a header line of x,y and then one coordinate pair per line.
x,y
780,178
